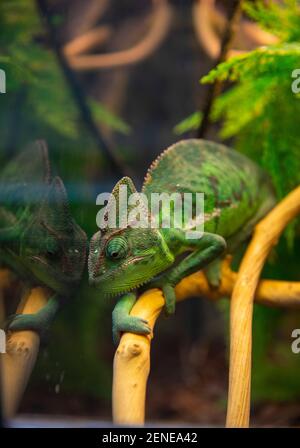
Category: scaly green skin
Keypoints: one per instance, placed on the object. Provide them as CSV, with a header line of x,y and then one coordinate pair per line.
x,y
237,195
39,239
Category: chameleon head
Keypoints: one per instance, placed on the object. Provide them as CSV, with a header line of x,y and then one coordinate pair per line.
x,y
54,246
122,260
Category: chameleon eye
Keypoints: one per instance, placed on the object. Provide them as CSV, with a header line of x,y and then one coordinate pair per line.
x,y
51,246
116,248
73,251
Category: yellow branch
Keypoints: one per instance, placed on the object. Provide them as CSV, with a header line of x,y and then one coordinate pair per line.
x,y
132,358
266,235
22,349
6,279
132,364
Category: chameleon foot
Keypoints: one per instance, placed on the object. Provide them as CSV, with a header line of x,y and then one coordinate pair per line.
x,y
213,273
170,298
168,292
28,322
39,322
131,324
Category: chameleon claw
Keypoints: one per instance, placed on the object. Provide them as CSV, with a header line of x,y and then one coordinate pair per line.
x,y
168,291
130,324
170,298
213,273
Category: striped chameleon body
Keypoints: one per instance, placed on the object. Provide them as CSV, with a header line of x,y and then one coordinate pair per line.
x,y
237,194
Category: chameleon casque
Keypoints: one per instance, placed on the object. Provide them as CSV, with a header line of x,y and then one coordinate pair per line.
x,y
237,194
39,239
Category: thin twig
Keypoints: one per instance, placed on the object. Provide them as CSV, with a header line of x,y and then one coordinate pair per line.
x,y
86,42
115,162
161,21
214,89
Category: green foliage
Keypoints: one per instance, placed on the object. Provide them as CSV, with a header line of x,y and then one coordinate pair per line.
x,y
280,18
104,116
32,67
262,111
191,123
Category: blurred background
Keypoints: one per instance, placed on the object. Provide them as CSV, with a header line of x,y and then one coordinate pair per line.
x,y
110,84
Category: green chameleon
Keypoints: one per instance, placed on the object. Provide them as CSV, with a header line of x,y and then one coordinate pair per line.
x,y
237,194
39,239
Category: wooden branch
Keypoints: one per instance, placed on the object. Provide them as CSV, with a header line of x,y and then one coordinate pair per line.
x,y
21,352
87,41
266,235
6,279
84,15
161,22
132,358
274,293
132,364
203,15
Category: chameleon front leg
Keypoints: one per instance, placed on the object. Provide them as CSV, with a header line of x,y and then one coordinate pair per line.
x,y
204,250
123,322
39,322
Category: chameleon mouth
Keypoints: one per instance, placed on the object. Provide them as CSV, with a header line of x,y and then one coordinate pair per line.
x,y
124,290
109,275
63,278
